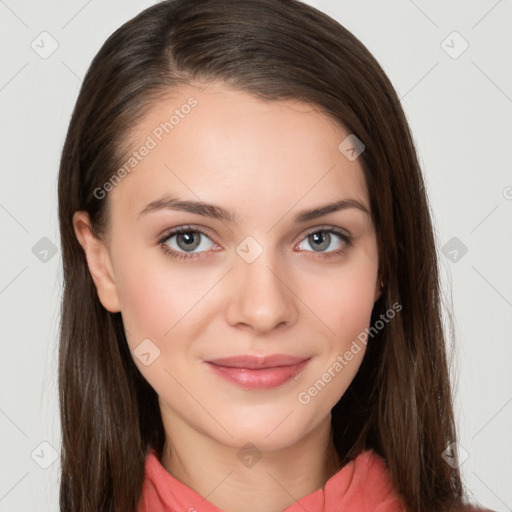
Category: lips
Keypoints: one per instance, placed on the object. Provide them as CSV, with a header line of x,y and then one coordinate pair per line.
x,y
258,372
258,362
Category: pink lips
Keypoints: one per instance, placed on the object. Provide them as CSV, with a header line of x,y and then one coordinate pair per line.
x,y
258,372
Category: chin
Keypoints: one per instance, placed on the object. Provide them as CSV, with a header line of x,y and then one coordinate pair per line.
x,y
272,433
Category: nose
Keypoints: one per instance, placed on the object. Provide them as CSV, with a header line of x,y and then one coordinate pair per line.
x,y
261,295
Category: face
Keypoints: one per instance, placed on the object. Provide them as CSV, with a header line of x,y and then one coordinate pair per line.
x,y
259,278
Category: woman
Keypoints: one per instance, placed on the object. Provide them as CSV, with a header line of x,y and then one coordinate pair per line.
x,y
251,315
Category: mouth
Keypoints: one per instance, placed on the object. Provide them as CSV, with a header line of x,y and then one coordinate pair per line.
x,y
258,372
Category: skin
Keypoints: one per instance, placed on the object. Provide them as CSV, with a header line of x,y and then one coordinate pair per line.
x,y
265,161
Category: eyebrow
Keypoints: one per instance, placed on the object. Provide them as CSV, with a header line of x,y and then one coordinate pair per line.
x,y
217,212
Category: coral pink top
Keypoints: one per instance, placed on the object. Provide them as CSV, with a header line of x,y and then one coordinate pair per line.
x,y
362,485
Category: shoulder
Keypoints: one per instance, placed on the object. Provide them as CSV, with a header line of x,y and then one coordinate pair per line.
x,y
373,469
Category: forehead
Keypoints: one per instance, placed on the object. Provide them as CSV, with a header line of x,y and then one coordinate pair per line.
x,y
225,146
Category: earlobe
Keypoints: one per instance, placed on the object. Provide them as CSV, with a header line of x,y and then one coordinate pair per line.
x,y
378,289
98,261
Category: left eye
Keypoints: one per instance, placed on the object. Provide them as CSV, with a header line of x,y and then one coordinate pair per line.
x,y
321,240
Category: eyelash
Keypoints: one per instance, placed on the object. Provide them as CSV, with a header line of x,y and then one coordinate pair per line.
x,y
189,229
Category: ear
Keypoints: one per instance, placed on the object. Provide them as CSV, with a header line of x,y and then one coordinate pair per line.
x,y
98,261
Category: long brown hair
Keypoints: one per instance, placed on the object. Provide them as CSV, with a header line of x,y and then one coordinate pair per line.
x,y
399,404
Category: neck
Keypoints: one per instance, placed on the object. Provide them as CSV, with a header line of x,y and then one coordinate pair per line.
x,y
278,479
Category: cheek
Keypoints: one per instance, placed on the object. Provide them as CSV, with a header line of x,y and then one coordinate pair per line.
x,y
355,302
152,297
343,299
345,306
160,300
143,301
158,305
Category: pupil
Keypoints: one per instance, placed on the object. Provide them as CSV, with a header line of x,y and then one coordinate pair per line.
x,y
320,238
189,240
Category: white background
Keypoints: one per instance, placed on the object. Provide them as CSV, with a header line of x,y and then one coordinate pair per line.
x,y
460,112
